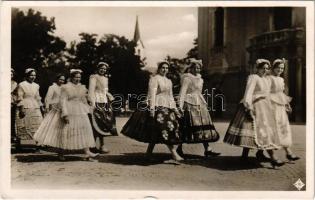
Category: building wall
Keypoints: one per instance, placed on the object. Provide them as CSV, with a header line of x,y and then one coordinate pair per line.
x,y
228,67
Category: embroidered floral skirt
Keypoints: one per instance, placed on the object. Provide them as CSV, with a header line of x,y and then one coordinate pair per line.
x,y
197,126
102,119
28,125
163,128
252,131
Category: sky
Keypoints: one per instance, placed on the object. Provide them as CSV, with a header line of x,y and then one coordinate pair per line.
x,y
163,30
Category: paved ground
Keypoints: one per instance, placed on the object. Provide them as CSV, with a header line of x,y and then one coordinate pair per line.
x,y
126,167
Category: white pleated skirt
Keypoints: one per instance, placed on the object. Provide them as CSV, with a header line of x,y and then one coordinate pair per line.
x,y
77,134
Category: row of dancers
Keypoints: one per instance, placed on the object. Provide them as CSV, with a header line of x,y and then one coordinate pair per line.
x,y
261,121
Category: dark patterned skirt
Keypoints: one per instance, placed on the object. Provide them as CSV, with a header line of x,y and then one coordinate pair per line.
x,y
197,126
163,128
241,129
102,119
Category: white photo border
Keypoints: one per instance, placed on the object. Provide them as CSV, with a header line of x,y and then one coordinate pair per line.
x,y
5,58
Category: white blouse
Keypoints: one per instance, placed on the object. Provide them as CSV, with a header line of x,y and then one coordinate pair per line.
x,y
73,100
28,95
277,94
160,92
256,87
191,90
53,95
98,89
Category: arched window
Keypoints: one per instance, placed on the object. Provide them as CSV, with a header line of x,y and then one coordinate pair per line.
x,y
282,18
219,27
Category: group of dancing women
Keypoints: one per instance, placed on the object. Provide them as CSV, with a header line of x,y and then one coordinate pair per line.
x,y
76,116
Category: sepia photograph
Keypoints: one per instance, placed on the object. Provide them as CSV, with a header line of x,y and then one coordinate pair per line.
x,y
165,99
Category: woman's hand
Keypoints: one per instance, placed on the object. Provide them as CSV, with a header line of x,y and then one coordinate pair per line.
x,y
178,113
42,110
47,110
110,97
252,112
246,105
65,119
21,113
288,108
152,112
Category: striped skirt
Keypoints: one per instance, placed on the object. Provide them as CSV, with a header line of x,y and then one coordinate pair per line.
x,y
252,131
53,132
28,125
197,125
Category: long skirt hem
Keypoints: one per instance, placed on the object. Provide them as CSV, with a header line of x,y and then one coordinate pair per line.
x,y
162,129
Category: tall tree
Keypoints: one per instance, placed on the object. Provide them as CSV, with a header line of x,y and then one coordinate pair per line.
x,y
32,40
127,76
193,52
33,44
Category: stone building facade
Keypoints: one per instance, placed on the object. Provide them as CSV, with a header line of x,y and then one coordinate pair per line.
x,y
230,39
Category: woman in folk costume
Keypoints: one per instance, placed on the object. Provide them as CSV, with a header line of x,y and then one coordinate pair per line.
x,y
52,98
280,106
13,106
160,124
29,114
253,126
102,119
68,127
197,123
49,132
77,132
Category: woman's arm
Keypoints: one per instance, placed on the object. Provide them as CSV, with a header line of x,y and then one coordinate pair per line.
x,y
153,84
63,104
48,97
183,92
91,91
248,95
20,95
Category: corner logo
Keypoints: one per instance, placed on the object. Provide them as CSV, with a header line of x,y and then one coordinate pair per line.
x,y
299,184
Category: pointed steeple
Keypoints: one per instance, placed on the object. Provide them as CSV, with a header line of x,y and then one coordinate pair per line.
x,y
136,37
139,48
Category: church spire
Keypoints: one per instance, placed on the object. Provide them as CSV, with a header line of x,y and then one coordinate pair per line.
x,y
139,49
136,37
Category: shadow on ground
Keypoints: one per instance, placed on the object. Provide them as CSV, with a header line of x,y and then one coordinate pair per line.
x,y
46,158
227,163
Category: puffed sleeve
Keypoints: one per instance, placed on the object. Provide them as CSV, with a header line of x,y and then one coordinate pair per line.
x,y
152,90
250,87
183,91
63,101
91,92
49,96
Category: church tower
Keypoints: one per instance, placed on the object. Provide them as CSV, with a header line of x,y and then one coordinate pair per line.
x,y
139,49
